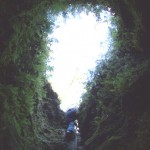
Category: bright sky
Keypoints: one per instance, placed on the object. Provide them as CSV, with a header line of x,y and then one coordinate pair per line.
x,y
79,45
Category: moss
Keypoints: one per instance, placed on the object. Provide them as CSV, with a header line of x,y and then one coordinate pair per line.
x,y
111,143
142,133
26,114
119,86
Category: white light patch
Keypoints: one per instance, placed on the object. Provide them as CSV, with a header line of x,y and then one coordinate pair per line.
x,y
78,48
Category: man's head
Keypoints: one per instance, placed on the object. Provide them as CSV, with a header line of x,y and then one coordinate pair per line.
x,y
71,114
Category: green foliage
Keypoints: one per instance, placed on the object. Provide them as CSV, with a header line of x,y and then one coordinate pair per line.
x,y
59,6
113,78
23,65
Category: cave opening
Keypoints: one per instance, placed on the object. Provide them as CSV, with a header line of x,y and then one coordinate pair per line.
x,y
115,106
78,41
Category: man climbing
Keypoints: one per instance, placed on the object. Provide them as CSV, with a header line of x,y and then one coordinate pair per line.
x,y
71,116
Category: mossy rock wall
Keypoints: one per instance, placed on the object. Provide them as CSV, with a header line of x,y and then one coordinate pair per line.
x,y
114,113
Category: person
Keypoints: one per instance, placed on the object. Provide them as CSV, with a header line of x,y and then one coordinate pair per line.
x,y
71,116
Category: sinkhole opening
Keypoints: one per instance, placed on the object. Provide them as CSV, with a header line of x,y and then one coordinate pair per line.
x,y
77,42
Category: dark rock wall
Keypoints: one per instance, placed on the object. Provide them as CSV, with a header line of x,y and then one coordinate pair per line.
x,y
118,118
48,122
